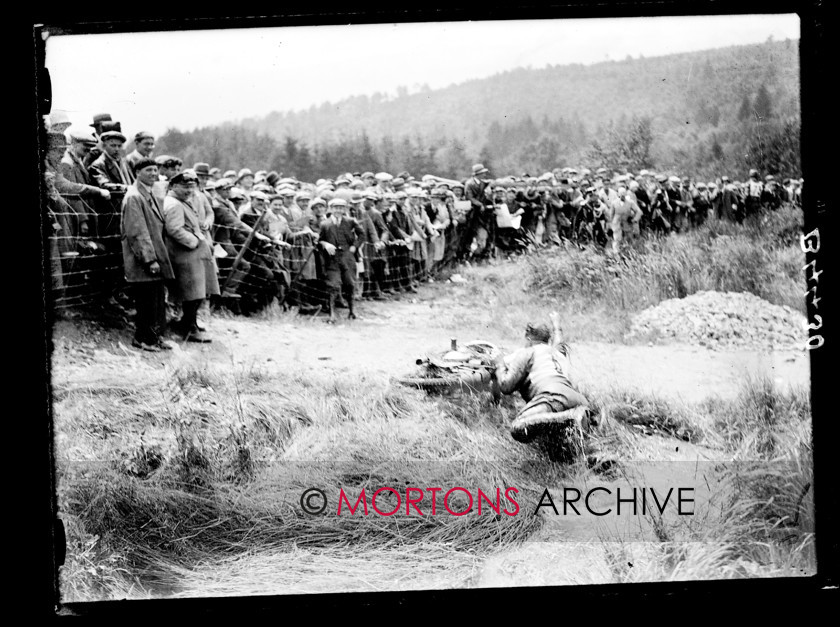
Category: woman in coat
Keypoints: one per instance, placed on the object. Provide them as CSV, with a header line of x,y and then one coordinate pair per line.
x,y
190,254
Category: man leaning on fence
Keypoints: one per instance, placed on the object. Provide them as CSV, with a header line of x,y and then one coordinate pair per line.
x,y
145,258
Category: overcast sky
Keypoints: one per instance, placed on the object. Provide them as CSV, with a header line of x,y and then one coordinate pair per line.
x,y
155,81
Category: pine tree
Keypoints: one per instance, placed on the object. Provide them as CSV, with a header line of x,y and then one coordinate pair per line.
x,y
745,112
717,149
763,105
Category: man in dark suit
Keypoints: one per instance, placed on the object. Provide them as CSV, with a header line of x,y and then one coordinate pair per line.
x,y
73,169
145,258
340,236
481,223
376,259
110,170
401,227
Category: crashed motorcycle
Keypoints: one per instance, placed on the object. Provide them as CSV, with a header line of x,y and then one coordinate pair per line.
x,y
466,368
470,368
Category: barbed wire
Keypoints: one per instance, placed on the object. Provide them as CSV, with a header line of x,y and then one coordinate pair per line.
x,y
88,266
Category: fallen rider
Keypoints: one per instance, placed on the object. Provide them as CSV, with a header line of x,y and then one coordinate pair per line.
x,y
540,372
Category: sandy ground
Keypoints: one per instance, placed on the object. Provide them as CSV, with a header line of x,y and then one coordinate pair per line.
x,y
391,334
385,342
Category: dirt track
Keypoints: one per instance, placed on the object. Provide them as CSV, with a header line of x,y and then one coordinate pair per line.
x,y
391,334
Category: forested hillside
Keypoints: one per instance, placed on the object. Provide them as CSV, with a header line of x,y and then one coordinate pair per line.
x,y
703,113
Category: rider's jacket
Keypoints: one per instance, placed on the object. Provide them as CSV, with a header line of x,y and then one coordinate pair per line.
x,y
538,369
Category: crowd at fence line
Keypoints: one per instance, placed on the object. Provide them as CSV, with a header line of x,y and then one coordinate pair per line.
x,y
245,239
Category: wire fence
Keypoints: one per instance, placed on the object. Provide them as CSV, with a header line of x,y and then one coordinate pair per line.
x,y
86,260
85,249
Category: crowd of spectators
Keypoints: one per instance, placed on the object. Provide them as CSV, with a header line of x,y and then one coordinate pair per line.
x,y
246,238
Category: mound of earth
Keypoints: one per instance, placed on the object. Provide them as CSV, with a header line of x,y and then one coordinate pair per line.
x,y
722,320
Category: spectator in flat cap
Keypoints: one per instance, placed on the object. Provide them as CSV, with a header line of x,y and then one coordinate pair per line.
x,y
288,209
168,166
215,173
401,225
375,252
145,257
303,225
68,223
190,253
230,235
440,222
480,226
339,239
383,183
73,171
144,146
230,232
110,170
204,201
623,214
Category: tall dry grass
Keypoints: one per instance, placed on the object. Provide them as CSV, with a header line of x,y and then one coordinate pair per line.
x,y
210,462
178,483
756,519
761,257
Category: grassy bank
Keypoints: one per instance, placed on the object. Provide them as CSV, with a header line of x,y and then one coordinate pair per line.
x,y
761,257
213,464
206,464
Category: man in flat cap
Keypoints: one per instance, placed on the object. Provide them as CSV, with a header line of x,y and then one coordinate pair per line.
x,y
339,238
375,254
190,253
383,183
204,201
144,146
481,218
754,191
73,170
168,166
231,234
401,224
145,256
76,213
110,170
623,214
